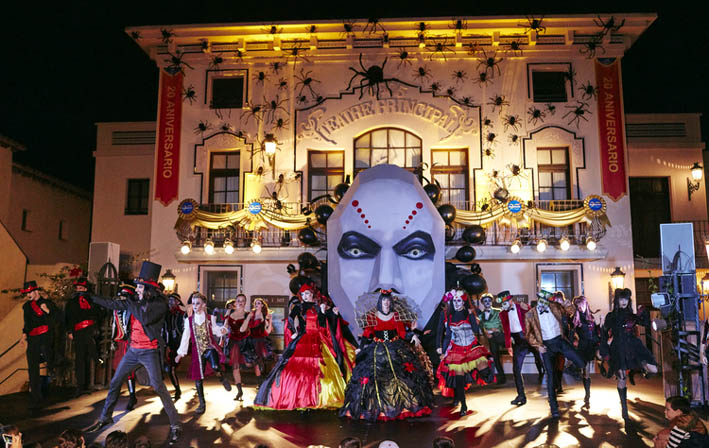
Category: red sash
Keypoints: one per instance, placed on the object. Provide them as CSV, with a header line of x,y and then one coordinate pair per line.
x,y
39,330
83,324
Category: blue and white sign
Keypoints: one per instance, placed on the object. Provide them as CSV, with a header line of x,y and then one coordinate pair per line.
x,y
255,207
187,207
595,204
514,206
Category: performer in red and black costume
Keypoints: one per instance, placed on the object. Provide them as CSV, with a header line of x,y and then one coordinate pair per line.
x,y
81,320
207,356
464,361
388,381
147,317
41,317
172,333
588,339
307,375
236,343
120,331
258,348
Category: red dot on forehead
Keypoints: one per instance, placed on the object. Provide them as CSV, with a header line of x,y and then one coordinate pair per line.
x,y
355,203
413,212
359,210
369,227
411,217
407,221
404,227
419,205
366,221
362,215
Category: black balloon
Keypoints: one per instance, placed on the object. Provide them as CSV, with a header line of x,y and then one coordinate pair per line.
x,y
306,260
297,282
473,284
307,236
447,212
465,254
449,233
340,190
475,268
433,192
474,234
323,213
501,194
290,269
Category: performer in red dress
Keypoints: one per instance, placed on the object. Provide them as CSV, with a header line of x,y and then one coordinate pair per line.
x,y
236,343
259,347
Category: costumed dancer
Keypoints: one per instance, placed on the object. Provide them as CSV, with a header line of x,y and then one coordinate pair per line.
x,y
342,338
513,325
236,343
259,325
388,381
492,326
120,331
559,363
41,317
545,332
172,332
626,352
464,361
199,336
81,322
147,317
307,375
588,336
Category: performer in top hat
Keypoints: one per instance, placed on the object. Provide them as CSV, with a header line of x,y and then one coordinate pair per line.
x,y
147,317
492,326
40,316
81,320
545,332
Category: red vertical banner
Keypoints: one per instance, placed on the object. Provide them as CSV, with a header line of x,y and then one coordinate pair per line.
x,y
611,128
167,146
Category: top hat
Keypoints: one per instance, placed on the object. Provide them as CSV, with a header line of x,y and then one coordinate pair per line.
x,y
29,287
149,274
487,295
544,296
177,297
504,296
81,281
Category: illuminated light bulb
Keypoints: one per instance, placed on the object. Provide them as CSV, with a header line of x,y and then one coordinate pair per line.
x,y
186,247
228,246
256,246
516,247
209,247
590,243
564,244
542,245
269,145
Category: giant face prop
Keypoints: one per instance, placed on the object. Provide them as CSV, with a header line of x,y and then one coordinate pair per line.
x,y
387,234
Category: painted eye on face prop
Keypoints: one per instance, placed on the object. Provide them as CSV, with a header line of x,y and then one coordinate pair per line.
x,y
355,246
417,246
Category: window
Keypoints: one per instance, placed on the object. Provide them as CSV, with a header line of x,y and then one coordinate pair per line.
x,y
326,169
548,82
553,167
221,286
137,194
26,220
62,230
450,168
227,89
649,207
564,281
224,178
387,146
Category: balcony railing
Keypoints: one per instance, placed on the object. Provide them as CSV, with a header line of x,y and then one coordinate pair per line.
x,y
496,234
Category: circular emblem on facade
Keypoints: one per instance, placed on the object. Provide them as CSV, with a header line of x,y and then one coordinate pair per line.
x,y
595,204
514,206
255,207
187,207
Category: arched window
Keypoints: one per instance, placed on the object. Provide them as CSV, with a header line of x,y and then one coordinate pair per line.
x,y
387,146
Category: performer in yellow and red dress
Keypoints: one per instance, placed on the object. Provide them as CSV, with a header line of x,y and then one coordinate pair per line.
x,y
464,361
388,381
307,375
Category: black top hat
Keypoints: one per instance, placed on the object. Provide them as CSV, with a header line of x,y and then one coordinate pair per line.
x,y
29,287
81,281
149,274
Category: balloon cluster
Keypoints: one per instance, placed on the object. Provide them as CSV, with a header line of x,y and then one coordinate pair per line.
x,y
308,269
471,280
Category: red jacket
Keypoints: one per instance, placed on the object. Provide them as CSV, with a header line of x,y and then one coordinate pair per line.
x,y
521,312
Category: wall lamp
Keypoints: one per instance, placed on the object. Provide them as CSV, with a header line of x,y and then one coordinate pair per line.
x,y
694,182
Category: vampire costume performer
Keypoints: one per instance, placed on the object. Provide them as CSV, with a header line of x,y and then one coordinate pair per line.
x,y
236,345
626,352
388,381
120,331
464,361
81,321
259,347
172,333
307,375
147,317
41,317
199,337
588,337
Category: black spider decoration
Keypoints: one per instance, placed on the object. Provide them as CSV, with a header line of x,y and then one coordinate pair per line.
x,y
487,123
458,24
371,78
226,127
176,64
311,29
272,107
498,101
422,73
273,30
349,27
254,111
296,52
301,99
459,76
440,46
591,48
450,91
464,101
610,25
422,28
280,124
189,93
570,75
215,62
135,35
305,81
276,66
204,46
435,87
239,55
535,115
588,91
513,138
474,49
514,47
373,25
534,25
167,35
577,113
282,84
491,138
490,64
404,58
202,127
551,108
511,121
489,153
483,79
260,77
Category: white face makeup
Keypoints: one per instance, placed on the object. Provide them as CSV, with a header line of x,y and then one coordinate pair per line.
x,y
307,295
386,233
458,302
197,305
541,307
505,305
487,302
623,302
386,305
139,288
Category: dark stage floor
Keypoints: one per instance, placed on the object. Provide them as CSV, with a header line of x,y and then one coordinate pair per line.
x,y
493,422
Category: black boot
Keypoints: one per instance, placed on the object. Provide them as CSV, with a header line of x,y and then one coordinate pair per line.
x,y
623,394
200,393
460,396
100,424
175,434
132,400
587,388
631,377
175,383
240,393
225,381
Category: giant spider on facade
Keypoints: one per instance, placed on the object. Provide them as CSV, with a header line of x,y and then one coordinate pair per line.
x,y
239,55
282,84
176,64
260,77
404,58
533,25
305,81
422,73
276,67
349,27
513,139
489,153
254,111
273,30
464,101
280,124
511,121
435,87
188,93
490,64
271,107
498,101
534,115
202,127
226,127
609,26
551,108
135,35
371,78
588,91
296,52
516,173
458,24
491,139
577,113
514,47
482,79
166,35
215,62
440,46
373,25
459,76
474,49
591,48
487,123
450,91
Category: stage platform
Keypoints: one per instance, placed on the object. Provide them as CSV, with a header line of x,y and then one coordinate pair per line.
x,y
493,422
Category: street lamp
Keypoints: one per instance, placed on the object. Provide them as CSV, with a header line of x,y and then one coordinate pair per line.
x,y
705,283
617,278
168,280
697,172
269,145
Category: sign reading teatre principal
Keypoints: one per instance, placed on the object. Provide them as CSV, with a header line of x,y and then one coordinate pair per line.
x,y
454,120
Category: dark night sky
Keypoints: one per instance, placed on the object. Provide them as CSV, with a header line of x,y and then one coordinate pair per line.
x,y
70,65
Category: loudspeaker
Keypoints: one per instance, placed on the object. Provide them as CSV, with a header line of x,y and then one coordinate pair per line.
x,y
100,254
